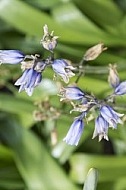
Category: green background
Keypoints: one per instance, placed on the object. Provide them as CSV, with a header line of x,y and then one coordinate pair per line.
x,y
28,159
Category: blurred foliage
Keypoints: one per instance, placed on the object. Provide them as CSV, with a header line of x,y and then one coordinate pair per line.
x,y
28,158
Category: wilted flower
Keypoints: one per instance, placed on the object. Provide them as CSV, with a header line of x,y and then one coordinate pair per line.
x,y
84,106
48,41
29,80
11,56
121,88
75,132
71,93
111,116
93,52
113,78
101,128
63,69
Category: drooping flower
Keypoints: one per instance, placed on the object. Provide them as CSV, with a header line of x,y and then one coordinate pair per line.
x,y
71,93
63,69
48,41
101,128
11,56
113,78
74,134
121,88
29,80
111,116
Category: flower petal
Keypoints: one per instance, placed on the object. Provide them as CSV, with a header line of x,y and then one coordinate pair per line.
x,y
11,56
75,132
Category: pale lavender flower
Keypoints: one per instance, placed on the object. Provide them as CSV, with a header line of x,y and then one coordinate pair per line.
x,y
11,56
74,134
101,128
111,116
71,93
29,80
113,78
49,41
121,88
63,69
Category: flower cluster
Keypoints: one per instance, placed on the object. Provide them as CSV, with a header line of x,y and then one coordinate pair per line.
x,y
33,66
82,102
107,116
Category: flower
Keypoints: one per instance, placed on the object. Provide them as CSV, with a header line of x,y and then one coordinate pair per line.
x,y
11,56
63,69
93,52
48,41
121,88
71,93
29,80
113,78
111,116
101,128
75,132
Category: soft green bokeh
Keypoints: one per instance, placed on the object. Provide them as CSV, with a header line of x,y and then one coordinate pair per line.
x,y
28,159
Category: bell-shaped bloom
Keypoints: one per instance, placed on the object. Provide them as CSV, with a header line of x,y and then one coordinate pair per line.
x,y
101,128
74,134
63,69
11,56
29,80
113,78
121,88
71,93
111,116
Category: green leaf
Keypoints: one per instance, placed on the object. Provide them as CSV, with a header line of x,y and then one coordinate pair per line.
x,y
12,104
30,21
110,168
36,166
91,180
69,15
107,14
43,3
9,175
20,107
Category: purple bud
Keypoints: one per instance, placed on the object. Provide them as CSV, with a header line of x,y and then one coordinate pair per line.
x,y
113,78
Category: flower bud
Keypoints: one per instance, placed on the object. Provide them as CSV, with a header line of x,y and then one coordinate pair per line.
x,y
113,78
48,41
93,52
